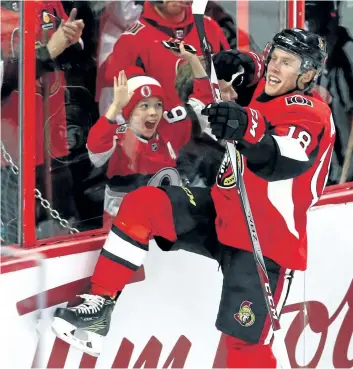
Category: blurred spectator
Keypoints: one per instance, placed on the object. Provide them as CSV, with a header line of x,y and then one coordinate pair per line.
x,y
226,22
81,113
91,18
335,84
215,11
140,45
116,18
55,35
80,76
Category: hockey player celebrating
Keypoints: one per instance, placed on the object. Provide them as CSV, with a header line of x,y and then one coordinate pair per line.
x,y
285,137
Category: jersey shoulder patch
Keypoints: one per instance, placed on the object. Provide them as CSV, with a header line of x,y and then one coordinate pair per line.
x,y
307,106
299,100
135,28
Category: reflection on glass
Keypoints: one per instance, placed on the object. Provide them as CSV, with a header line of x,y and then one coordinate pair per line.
x,y
74,88
10,15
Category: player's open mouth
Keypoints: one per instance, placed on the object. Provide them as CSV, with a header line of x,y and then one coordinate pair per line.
x,y
272,81
150,124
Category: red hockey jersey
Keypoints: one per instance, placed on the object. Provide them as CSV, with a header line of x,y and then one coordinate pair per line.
x,y
46,13
128,153
131,155
304,132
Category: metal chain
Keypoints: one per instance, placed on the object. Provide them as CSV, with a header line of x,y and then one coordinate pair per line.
x,y
8,159
38,195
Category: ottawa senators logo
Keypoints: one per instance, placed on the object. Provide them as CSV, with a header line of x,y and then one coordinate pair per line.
x,y
225,176
146,91
298,100
245,317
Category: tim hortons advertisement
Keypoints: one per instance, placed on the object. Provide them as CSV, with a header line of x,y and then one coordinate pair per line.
x,y
165,317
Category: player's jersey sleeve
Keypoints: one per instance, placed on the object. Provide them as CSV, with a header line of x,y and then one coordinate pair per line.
x,y
297,139
291,145
101,141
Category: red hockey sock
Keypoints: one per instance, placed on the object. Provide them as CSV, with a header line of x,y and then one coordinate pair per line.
x,y
242,354
143,214
109,277
101,291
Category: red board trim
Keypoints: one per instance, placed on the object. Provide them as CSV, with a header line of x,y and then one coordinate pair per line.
x,y
75,245
338,194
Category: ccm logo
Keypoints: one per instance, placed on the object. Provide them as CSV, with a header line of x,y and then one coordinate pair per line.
x,y
254,122
271,302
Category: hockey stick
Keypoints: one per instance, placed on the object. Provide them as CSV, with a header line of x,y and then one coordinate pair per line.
x,y
198,10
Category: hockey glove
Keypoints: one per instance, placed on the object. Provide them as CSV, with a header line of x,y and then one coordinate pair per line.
x,y
227,63
230,121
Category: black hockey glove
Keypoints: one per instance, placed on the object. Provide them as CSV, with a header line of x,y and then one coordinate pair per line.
x,y
230,121
227,63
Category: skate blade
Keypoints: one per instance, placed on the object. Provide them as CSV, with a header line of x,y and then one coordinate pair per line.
x,y
86,341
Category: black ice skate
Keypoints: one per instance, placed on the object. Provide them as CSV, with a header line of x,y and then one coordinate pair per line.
x,y
84,326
